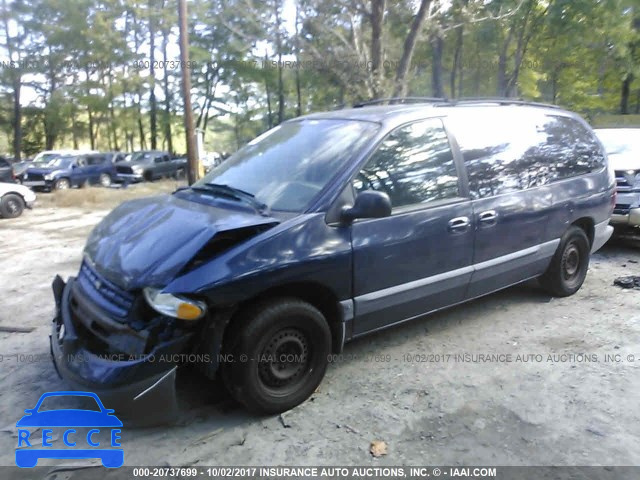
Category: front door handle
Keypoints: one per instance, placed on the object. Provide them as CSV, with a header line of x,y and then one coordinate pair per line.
x,y
459,224
488,217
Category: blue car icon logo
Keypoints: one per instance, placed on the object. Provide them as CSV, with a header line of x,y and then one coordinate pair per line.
x,y
67,419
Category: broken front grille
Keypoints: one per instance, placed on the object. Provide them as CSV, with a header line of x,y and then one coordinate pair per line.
x,y
105,294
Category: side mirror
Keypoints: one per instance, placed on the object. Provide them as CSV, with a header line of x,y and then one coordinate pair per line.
x,y
369,204
74,166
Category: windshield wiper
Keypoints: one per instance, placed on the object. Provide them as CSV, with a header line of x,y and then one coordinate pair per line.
x,y
233,193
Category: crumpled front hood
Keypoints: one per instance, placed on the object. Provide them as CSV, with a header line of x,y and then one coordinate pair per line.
x,y
146,242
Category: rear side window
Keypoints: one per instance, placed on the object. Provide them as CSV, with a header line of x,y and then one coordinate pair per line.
x,y
414,164
4,163
95,160
571,148
511,150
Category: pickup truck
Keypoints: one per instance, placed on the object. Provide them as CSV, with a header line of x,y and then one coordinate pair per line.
x,y
149,165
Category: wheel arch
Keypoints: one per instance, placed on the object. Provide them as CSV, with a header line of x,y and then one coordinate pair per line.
x,y
314,293
588,225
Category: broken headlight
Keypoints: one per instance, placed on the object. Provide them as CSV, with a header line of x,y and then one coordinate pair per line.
x,y
174,306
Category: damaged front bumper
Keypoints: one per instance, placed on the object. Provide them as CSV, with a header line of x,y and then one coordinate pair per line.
x,y
140,388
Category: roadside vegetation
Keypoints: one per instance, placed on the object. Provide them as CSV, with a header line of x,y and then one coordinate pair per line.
x,y
105,198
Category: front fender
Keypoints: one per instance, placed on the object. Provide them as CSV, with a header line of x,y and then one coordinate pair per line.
x,y
303,249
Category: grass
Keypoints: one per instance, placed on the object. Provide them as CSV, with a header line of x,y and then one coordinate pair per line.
x,y
107,198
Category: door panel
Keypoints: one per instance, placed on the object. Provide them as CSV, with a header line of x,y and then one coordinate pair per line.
x,y
506,155
418,259
410,264
503,253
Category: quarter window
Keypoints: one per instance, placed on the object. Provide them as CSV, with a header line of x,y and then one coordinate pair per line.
x,y
571,148
508,150
413,165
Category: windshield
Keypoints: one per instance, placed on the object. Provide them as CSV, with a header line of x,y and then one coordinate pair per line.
x,y
140,157
286,167
60,162
43,159
620,141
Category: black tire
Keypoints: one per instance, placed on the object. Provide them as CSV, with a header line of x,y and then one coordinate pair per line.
x,y
280,351
11,205
569,265
62,184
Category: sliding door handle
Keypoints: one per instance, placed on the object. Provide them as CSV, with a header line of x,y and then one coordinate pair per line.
x,y
488,217
459,224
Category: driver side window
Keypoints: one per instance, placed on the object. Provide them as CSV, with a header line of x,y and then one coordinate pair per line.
x,y
413,165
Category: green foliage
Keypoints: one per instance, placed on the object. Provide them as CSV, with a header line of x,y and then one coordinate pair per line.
x,y
88,83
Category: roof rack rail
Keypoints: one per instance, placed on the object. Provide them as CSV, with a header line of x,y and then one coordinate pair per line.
x,y
390,100
499,101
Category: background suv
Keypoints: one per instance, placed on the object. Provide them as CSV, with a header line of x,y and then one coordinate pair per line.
x,y
68,171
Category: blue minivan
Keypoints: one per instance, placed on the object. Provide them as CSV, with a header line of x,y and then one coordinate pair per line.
x,y
326,228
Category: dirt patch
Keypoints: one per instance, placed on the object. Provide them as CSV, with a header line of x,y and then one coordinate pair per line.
x,y
570,399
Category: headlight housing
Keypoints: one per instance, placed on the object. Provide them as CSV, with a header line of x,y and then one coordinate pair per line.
x,y
48,176
174,306
136,169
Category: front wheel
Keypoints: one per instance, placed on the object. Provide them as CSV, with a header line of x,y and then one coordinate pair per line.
x,y
62,184
280,355
105,180
569,265
11,205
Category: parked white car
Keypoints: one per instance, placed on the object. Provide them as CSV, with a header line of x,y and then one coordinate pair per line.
x,y
623,148
14,198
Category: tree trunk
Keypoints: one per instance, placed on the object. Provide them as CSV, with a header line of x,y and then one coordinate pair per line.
x,y
143,143
456,69
279,52
409,47
624,95
376,18
167,93
297,47
153,113
16,85
437,46
502,65
268,92
74,128
17,116
112,114
92,139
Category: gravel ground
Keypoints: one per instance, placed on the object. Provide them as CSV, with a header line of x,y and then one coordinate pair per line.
x,y
553,398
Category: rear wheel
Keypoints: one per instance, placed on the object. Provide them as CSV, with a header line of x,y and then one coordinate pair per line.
x,y
569,265
279,355
11,205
